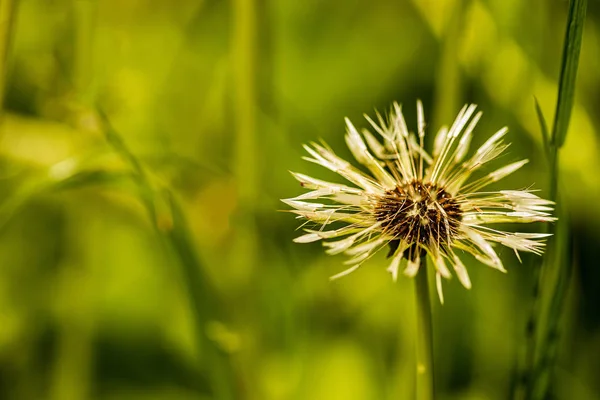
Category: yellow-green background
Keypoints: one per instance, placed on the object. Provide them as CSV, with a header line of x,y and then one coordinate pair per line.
x,y
215,99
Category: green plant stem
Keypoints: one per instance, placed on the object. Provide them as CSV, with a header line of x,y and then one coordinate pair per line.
x,y
7,17
245,107
449,76
568,71
424,337
533,324
559,272
533,366
76,330
554,276
171,224
84,17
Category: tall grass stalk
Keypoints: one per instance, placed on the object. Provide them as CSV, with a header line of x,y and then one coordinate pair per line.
x,y
526,362
84,17
72,370
7,22
543,328
424,336
448,78
170,222
245,109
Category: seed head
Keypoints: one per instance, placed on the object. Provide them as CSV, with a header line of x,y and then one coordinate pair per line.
x,y
415,203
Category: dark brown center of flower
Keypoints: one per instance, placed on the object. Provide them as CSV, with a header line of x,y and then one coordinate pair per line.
x,y
419,213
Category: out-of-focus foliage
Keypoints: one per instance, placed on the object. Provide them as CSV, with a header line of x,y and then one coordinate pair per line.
x,y
93,301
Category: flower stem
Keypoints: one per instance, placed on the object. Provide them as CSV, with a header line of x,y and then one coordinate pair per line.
x,y
424,337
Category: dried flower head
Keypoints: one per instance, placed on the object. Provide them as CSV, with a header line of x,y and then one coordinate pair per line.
x,y
415,203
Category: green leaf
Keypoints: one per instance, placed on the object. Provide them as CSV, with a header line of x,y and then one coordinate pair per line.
x,y
568,71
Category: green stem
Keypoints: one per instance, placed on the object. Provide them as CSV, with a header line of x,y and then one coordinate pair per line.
x,y
204,302
84,16
7,17
536,314
448,90
424,337
554,277
245,60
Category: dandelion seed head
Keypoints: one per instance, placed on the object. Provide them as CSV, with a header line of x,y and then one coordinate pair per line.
x,y
419,214
416,204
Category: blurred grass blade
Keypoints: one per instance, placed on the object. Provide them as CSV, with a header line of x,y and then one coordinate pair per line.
x,y
15,201
7,17
448,90
244,48
561,267
170,222
554,278
117,143
139,174
202,298
33,186
568,71
83,62
87,178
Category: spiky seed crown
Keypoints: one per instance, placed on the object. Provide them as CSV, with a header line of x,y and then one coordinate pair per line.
x,y
416,203
419,214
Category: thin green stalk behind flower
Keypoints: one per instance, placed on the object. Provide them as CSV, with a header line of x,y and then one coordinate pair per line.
x,y
542,338
526,361
448,87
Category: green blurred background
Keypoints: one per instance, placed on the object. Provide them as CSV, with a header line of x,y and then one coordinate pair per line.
x,y
115,265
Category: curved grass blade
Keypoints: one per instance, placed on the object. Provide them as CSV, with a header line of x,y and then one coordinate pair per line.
x,y
170,223
552,280
568,71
